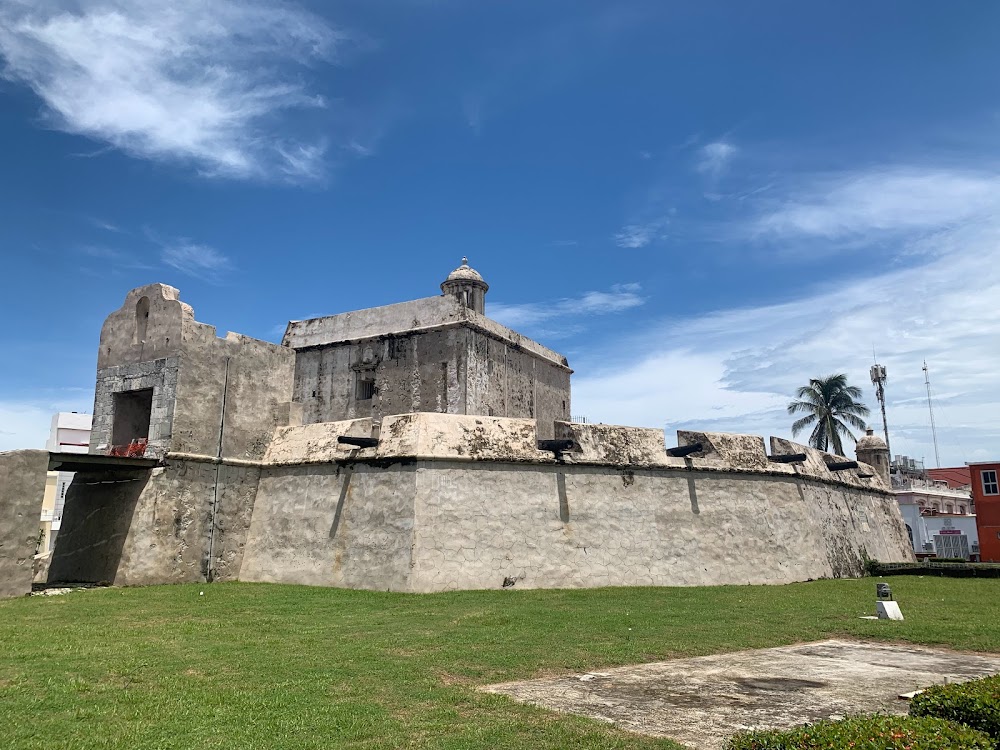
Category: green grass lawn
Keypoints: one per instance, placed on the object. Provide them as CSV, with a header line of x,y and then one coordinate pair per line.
x,y
263,666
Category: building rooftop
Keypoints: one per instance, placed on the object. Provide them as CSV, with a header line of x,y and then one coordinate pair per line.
x,y
956,476
871,441
465,273
403,318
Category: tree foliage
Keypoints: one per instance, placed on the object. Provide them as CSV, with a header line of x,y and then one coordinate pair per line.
x,y
829,405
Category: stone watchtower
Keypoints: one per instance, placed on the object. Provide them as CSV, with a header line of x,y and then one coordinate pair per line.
x,y
873,451
467,286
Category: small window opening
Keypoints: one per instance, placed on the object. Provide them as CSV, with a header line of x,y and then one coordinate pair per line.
x,y
365,388
990,484
131,417
141,320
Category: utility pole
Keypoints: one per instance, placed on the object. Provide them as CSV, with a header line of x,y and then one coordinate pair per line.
x,y
930,408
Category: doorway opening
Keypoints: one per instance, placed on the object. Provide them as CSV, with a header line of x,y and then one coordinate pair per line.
x,y
132,412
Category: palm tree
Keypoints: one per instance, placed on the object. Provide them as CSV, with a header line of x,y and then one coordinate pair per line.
x,y
828,403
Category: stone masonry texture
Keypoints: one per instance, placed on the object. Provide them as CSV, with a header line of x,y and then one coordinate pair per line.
x,y
22,485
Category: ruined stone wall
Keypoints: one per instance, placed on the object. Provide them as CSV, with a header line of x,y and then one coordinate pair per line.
x,y
153,343
22,487
155,526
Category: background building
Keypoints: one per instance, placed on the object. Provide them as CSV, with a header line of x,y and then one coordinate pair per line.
x,y
938,519
986,494
70,433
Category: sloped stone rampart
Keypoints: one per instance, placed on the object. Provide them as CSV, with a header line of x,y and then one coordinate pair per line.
x,y
459,502
464,502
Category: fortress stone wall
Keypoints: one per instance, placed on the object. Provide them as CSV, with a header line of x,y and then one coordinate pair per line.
x,y
22,487
464,471
463,502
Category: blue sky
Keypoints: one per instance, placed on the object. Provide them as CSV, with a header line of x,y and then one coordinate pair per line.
x,y
702,205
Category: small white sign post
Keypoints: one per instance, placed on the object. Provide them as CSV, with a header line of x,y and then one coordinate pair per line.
x,y
885,607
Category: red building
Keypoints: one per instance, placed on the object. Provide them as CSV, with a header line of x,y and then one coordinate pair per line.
x,y
957,477
986,497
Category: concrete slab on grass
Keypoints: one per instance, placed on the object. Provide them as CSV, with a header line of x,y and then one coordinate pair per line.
x,y
702,701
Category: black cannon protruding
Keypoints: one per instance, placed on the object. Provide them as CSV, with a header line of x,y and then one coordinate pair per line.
x,y
357,442
842,465
556,446
684,450
787,458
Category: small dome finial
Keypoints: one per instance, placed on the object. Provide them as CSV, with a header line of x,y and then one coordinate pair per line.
x,y
465,261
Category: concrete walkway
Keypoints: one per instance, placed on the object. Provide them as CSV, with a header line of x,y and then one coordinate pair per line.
x,y
700,702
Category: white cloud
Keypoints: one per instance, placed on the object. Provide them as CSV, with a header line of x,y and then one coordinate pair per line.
x,y
182,80
889,201
527,316
714,158
107,226
634,236
200,261
734,370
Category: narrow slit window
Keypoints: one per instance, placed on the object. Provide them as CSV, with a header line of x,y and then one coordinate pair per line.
x,y
141,320
365,388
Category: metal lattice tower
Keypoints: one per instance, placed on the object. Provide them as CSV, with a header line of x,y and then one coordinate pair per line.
x,y
879,377
930,408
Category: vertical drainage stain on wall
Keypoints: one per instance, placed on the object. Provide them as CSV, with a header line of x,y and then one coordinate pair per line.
x,y
563,498
345,487
693,493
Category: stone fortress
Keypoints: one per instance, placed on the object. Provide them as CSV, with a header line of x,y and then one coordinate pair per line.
x,y
422,447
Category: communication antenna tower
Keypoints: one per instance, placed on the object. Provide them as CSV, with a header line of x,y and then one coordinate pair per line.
x,y
930,408
878,380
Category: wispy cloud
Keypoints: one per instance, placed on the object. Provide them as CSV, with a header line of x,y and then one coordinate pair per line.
x,y
894,200
734,370
714,158
634,236
107,226
179,80
201,261
533,314
118,259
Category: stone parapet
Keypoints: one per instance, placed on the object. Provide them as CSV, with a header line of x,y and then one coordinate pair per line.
x,y
431,436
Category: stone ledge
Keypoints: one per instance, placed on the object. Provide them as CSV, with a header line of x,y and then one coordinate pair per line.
x,y
427,436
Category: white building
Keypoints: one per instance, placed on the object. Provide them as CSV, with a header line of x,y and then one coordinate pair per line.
x,y
938,519
70,433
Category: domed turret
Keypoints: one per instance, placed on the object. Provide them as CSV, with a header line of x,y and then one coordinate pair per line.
x,y
467,286
873,451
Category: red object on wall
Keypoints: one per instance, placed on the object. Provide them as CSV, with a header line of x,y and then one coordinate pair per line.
x,y
986,496
135,449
